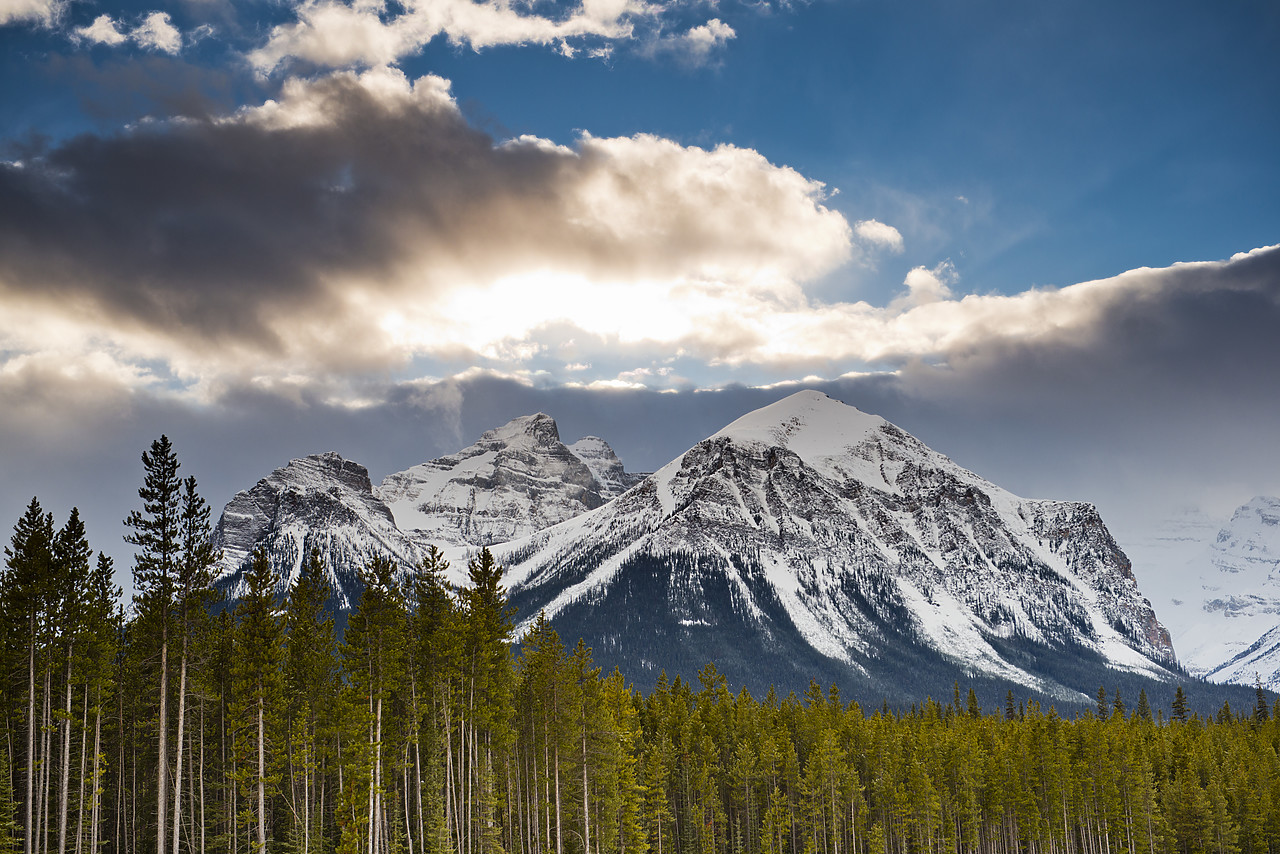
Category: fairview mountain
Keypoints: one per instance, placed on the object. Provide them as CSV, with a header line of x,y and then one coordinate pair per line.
x,y
804,540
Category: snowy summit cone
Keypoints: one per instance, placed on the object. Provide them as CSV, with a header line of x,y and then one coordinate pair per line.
x,y
808,539
322,502
515,480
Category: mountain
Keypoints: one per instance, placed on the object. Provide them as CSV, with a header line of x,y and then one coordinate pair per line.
x,y
517,479
321,502
1223,604
809,539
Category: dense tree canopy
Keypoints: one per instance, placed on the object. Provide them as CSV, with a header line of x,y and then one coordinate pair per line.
x,y
424,730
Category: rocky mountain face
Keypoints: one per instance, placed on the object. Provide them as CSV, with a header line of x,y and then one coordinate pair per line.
x,y
1222,603
321,502
808,539
517,479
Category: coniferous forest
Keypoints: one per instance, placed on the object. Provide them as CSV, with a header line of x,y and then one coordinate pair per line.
x,y
186,725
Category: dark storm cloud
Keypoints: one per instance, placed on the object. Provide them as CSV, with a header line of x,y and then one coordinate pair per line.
x,y
205,229
117,90
291,230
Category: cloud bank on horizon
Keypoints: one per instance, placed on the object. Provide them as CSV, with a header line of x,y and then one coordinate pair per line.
x,y
358,227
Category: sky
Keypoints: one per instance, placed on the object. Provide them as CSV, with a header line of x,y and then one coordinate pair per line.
x,y
1043,238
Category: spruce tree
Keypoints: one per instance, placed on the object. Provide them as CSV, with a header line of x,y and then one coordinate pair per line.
x,y
310,681
29,567
156,531
1180,705
193,596
258,685
1144,706
71,555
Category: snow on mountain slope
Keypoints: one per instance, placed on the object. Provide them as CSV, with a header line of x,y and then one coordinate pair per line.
x,y
515,480
1223,606
812,530
321,502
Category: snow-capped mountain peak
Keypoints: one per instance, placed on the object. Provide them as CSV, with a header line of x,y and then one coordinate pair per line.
x,y
811,528
812,424
322,502
516,479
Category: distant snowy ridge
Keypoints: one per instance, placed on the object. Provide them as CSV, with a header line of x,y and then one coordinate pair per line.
x,y
516,479
1223,603
322,502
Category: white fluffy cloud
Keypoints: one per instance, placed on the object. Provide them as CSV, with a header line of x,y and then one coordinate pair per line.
x,y
354,33
879,235
155,31
44,12
696,45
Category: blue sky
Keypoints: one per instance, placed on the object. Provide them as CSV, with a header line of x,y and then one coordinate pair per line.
x,y
271,229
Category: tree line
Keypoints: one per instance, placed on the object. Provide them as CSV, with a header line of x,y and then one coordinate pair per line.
x,y
185,725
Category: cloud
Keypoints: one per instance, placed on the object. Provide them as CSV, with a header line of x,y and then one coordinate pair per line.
x,y
44,12
356,227
694,46
103,30
879,235
157,33
925,286
362,33
357,223
154,32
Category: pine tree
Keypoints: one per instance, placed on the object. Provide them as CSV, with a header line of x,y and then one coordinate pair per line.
x,y
311,689
29,569
1261,709
156,532
372,652
258,694
71,555
1180,705
194,595
100,649
434,668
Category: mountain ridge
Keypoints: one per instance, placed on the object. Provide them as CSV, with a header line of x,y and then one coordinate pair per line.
x,y
806,535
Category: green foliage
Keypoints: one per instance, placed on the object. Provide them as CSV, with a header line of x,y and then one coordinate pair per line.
x,y
424,732
156,529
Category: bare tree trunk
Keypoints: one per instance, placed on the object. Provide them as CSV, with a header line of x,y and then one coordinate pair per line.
x,y
97,767
450,783
377,767
408,816
202,815
306,793
262,776
373,824
65,789
417,762
46,761
559,833
29,830
84,748
586,806
182,719
162,766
